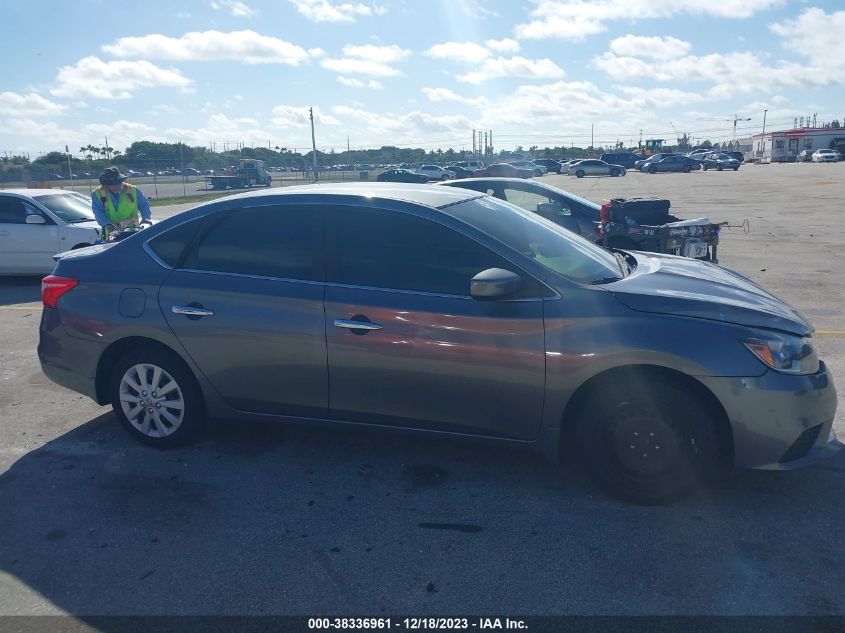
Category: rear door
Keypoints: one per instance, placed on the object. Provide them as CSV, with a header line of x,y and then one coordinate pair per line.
x,y
408,346
246,302
25,248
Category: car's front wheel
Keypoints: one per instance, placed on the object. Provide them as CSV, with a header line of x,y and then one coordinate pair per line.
x,y
580,173
687,169
647,441
652,170
614,172
156,398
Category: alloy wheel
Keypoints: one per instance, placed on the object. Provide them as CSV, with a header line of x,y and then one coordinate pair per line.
x,y
151,400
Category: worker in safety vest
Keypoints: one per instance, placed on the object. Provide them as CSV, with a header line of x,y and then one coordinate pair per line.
x,y
117,204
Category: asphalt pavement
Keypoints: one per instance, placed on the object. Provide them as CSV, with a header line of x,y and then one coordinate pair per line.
x,y
286,519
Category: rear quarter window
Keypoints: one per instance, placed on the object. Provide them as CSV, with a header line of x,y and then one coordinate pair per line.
x,y
170,245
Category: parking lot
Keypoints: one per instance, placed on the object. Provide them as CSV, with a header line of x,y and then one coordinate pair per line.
x,y
271,519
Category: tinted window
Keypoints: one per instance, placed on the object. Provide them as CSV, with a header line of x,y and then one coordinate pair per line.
x,y
276,241
385,249
170,244
527,200
12,210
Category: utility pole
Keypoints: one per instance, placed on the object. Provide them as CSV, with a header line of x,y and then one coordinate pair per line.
x,y
473,144
347,142
763,137
485,144
182,169
592,136
491,142
108,150
69,170
736,118
313,143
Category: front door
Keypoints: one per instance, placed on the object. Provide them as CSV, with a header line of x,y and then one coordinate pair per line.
x,y
408,346
247,304
25,248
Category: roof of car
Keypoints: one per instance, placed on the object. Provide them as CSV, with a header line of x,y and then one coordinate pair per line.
x,y
36,192
428,195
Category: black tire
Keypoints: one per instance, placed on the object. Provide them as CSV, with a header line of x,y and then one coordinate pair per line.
x,y
580,173
736,168
623,426
687,169
538,172
652,169
704,167
718,168
193,421
614,172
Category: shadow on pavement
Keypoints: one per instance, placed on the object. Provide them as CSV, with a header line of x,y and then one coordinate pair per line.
x,y
23,289
272,519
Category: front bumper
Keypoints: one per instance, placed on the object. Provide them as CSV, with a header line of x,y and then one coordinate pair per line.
x,y
779,422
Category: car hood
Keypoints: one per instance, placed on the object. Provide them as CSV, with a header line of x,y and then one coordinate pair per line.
x,y
667,284
88,224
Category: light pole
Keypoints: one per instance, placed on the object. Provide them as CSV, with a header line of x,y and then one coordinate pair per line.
x,y
763,137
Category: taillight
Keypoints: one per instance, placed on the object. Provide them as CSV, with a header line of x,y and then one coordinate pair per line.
x,y
604,212
52,288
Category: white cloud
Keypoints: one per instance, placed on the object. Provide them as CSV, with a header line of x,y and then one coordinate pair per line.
x,y
577,19
183,15
445,95
503,46
661,97
360,67
316,52
458,51
220,128
236,8
121,134
163,108
29,105
332,11
245,46
357,83
476,9
653,47
413,127
513,67
816,35
285,116
92,77
384,54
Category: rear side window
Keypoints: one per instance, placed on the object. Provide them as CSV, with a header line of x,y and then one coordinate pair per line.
x,y
274,241
170,245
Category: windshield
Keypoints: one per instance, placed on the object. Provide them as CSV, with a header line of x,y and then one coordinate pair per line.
x,y
545,242
70,207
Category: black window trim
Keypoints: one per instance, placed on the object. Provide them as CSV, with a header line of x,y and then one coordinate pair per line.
x,y
332,264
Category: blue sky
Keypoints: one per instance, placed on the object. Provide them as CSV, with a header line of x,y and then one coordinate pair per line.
x,y
405,72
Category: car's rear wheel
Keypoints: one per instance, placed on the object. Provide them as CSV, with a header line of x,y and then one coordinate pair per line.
x,y
156,398
704,166
614,172
736,168
652,170
580,173
687,169
718,168
647,441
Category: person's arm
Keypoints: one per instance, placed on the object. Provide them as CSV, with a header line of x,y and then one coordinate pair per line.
x,y
143,205
98,209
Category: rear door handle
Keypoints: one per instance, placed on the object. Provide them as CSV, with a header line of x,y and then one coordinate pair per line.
x,y
357,325
192,311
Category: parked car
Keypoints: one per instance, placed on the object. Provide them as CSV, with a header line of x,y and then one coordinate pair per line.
x,y
505,170
825,156
804,156
472,165
653,158
595,167
676,163
435,172
190,171
565,165
401,175
551,165
626,159
460,172
655,371
539,170
719,161
35,224
734,154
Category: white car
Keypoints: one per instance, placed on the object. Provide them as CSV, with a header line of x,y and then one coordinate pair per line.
x,y
564,166
435,173
35,224
539,170
825,156
595,167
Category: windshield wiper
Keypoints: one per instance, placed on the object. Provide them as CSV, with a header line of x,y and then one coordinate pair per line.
x,y
604,280
624,266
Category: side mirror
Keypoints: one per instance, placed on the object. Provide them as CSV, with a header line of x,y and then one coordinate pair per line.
x,y
494,283
35,219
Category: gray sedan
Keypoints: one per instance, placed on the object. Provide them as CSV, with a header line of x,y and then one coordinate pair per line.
x,y
442,310
594,167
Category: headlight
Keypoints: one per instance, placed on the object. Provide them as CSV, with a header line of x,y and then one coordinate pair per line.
x,y
785,353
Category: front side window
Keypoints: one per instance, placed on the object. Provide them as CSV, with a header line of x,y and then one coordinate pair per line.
x,y
393,250
273,241
539,239
13,210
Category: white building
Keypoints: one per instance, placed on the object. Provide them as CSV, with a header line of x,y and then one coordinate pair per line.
x,y
784,146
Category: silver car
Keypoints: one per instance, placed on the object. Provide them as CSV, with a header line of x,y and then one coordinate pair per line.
x,y
443,310
595,167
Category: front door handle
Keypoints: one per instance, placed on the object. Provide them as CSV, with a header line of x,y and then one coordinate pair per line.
x,y
364,326
192,311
